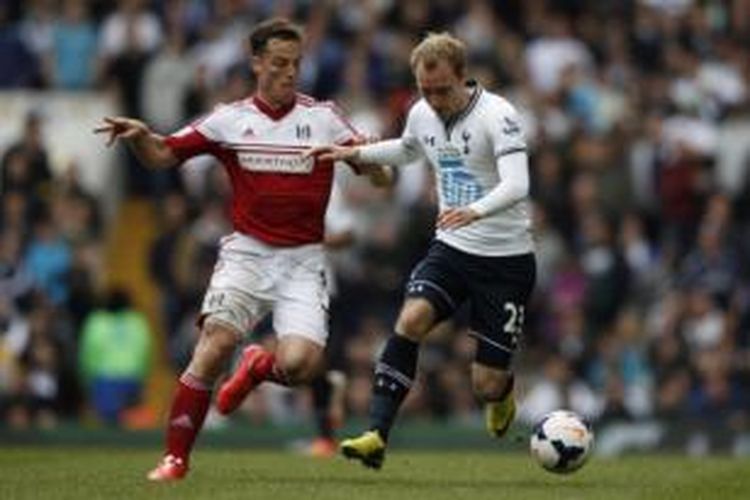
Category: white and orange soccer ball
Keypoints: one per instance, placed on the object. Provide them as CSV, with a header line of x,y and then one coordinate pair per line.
x,y
561,441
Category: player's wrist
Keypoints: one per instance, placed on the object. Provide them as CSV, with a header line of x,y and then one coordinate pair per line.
x,y
478,210
356,154
140,133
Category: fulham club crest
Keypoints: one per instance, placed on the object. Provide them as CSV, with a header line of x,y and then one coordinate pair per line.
x,y
303,132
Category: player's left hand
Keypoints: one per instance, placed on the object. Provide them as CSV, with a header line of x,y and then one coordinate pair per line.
x,y
455,217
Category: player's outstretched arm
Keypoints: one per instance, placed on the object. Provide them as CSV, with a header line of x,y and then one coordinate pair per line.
x,y
148,147
394,152
348,154
380,175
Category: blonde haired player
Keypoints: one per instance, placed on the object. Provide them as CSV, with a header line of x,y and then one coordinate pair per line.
x,y
482,252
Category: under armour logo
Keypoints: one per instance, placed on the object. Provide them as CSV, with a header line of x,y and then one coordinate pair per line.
x,y
183,421
429,140
216,300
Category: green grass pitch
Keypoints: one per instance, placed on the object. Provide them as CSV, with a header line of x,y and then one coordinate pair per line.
x,y
91,473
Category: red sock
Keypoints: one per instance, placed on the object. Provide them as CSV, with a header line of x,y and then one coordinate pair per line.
x,y
189,408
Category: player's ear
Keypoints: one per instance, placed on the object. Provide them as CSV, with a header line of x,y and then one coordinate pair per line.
x,y
256,60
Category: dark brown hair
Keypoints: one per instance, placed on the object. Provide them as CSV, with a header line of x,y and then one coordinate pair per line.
x,y
277,27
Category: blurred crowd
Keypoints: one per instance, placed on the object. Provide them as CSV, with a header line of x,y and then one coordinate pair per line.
x,y
637,114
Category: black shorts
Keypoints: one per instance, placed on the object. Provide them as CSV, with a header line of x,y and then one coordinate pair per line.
x,y
497,288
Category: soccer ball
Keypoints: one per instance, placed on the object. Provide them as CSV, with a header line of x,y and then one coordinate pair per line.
x,y
562,441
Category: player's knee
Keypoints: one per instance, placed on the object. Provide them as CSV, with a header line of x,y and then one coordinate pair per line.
x,y
213,352
299,366
222,339
298,370
215,347
415,320
490,385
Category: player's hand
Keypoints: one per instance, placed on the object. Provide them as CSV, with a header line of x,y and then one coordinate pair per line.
x,y
333,153
121,128
453,218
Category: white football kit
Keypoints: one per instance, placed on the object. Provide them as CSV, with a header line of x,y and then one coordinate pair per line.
x,y
479,159
274,260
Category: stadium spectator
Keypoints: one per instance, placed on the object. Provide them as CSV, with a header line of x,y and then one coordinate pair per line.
x,y
115,356
47,260
74,51
14,53
34,344
166,80
25,164
130,28
176,246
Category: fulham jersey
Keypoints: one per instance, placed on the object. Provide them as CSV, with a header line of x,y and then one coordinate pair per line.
x,y
278,197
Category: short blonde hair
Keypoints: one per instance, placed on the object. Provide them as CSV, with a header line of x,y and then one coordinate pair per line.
x,y
438,47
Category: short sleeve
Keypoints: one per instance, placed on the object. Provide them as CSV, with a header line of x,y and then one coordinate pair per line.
x,y
198,138
188,142
342,130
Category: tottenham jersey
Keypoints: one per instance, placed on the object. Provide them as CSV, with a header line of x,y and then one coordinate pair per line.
x,y
463,153
279,196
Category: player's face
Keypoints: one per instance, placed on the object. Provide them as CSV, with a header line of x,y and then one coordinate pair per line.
x,y
442,88
277,70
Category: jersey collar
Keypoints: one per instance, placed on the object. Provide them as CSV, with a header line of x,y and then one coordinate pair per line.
x,y
271,112
476,92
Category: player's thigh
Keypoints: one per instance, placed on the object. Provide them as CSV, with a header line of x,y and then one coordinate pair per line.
x,y
500,292
301,307
436,288
241,289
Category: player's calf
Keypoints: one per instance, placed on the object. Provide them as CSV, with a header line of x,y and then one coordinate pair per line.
x,y
254,367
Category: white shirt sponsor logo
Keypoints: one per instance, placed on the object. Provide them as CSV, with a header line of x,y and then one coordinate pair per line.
x,y
286,163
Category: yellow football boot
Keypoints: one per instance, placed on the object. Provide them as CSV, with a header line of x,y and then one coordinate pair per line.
x,y
498,415
369,449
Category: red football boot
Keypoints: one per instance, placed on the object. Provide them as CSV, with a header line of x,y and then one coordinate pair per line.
x,y
253,369
323,448
170,468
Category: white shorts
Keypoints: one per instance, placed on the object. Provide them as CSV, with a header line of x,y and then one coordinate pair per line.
x,y
252,279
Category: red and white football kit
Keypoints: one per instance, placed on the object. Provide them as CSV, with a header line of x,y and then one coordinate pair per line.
x,y
274,260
